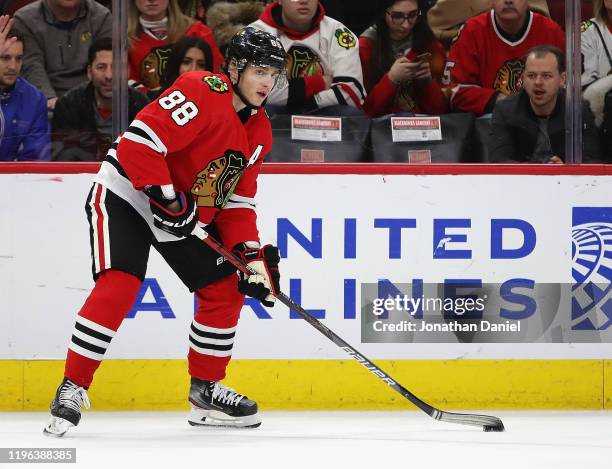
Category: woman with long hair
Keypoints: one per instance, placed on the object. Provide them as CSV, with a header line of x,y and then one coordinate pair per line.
x,y
402,62
187,55
153,27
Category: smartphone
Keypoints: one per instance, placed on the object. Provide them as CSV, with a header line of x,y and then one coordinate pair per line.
x,y
424,56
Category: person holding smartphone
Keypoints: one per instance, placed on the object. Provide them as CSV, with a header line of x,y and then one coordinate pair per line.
x,y
402,62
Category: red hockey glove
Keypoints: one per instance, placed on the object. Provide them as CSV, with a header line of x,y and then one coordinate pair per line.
x,y
265,261
179,223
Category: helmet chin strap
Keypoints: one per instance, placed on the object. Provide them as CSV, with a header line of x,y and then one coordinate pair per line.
x,y
236,90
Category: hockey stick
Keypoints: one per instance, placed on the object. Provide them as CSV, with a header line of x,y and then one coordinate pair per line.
x,y
487,422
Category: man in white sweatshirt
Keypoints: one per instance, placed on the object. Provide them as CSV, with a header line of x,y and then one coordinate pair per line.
x,y
324,68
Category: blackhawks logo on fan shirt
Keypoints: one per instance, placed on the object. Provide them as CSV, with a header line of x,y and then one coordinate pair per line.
x,y
345,38
216,84
216,182
585,25
303,62
509,78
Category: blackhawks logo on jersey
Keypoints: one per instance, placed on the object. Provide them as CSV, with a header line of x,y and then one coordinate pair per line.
x,y
585,25
404,99
509,78
153,66
303,62
345,38
215,84
216,182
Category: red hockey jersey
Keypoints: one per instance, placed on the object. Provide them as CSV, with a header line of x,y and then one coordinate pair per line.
x,y
483,63
192,137
148,56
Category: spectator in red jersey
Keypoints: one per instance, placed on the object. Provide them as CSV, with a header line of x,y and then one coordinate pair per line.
x,y
446,16
402,62
153,26
486,60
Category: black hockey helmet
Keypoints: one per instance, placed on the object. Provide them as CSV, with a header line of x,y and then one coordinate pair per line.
x,y
257,47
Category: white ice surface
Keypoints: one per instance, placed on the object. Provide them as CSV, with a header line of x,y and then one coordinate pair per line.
x,y
288,440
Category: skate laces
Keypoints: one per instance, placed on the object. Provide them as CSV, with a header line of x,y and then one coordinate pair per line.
x,y
73,397
226,395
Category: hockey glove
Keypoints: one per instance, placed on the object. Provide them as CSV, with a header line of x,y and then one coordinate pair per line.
x,y
179,223
265,261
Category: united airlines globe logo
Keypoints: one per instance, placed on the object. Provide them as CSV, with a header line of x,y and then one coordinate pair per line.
x,y
592,269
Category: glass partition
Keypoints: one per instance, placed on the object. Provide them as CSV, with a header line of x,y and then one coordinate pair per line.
x,y
404,124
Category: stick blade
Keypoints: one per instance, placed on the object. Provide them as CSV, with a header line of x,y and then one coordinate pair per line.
x,y
488,423
499,427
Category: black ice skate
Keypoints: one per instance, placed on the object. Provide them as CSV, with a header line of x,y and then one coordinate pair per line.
x,y
213,404
66,408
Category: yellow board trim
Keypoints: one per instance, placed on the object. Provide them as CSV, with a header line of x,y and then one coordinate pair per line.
x,y
327,384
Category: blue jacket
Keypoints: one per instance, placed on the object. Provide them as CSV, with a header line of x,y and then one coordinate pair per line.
x,y
24,124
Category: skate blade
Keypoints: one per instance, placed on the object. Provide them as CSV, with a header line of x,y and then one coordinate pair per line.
x,y
57,427
212,418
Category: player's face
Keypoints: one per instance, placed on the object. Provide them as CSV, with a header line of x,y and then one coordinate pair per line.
x,y
401,18
299,12
257,82
152,10
10,65
541,79
510,10
100,72
193,60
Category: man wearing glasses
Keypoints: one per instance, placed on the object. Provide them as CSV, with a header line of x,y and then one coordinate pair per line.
x,y
486,64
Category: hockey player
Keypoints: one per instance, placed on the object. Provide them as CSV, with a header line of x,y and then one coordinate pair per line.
x,y
190,157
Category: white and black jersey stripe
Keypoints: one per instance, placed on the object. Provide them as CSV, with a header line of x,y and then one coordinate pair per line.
x,y
140,132
238,201
90,339
100,239
211,340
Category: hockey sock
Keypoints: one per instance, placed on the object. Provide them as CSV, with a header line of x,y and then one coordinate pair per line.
x,y
211,338
96,324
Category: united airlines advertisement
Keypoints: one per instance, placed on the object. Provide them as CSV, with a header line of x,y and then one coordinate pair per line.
x,y
402,266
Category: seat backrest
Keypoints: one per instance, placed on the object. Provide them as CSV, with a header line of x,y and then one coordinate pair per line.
x,y
354,147
456,145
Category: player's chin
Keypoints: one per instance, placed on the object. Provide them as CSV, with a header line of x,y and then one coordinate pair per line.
x,y
259,98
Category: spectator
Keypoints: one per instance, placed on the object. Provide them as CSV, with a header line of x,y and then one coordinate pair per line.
x,y
153,26
529,127
324,70
57,35
24,128
596,49
402,62
82,121
187,54
446,17
485,63
227,18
